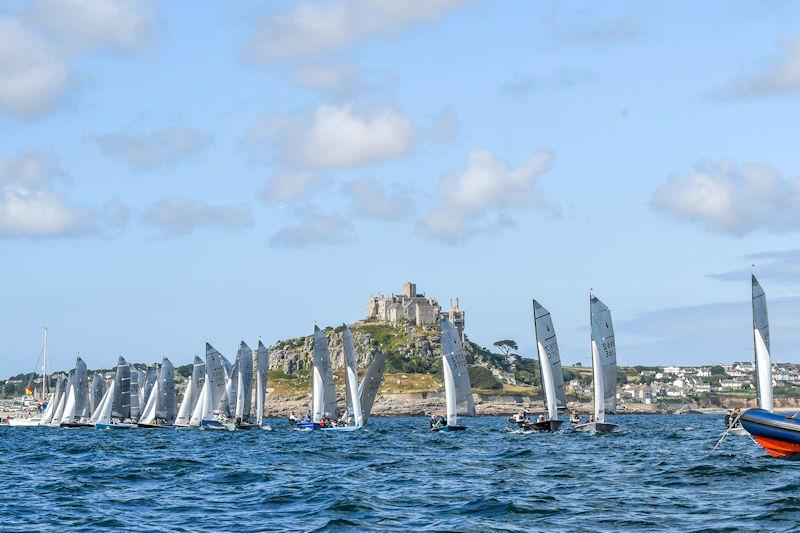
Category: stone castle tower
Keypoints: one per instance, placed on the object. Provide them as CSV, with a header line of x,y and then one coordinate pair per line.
x,y
413,308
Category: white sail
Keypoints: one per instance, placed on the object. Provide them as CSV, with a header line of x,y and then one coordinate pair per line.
x,y
370,383
149,412
245,357
457,388
97,390
240,395
761,344
324,391
134,394
262,366
62,402
191,394
351,378
200,406
232,386
549,361
52,404
80,383
604,359
69,406
216,376
102,414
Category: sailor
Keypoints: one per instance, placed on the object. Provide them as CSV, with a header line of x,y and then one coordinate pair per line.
x,y
735,419
591,418
292,418
573,417
728,418
432,421
308,416
540,419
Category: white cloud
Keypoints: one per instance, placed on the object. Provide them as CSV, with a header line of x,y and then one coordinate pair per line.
x,y
118,24
334,136
488,186
33,76
335,80
159,148
734,199
313,229
314,28
780,76
29,207
38,45
174,216
781,266
370,198
289,186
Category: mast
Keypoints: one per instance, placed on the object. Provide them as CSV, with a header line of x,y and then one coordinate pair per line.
x,y
45,384
755,349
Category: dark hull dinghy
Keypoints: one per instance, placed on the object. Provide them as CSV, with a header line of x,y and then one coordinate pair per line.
x,y
597,427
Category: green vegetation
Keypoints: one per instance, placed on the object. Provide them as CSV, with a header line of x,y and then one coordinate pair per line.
x,y
482,378
526,371
507,346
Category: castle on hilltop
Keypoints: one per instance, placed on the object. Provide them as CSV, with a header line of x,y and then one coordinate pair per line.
x,y
413,308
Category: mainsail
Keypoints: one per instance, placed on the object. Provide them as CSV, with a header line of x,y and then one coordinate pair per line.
x,y
761,344
166,406
549,361
262,367
351,379
370,383
324,391
62,402
191,394
604,360
121,407
135,393
457,388
96,392
215,378
149,412
102,414
81,385
52,404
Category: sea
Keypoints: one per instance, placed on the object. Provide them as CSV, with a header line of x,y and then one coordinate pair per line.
x,y
657,474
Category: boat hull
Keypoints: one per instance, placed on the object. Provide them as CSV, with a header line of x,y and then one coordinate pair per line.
x,y
778,434
306,426
24,422
75,425
345,428
153,426
596,427
114,426
547,425
449,428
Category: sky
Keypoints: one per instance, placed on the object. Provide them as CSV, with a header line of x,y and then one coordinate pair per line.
x,y
177,172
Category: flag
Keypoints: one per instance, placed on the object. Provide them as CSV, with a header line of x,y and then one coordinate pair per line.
x,y
28,391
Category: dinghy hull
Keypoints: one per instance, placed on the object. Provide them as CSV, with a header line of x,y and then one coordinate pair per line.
x,y
596,427
547,425
449,428
25,422
778,434
114,426
305,426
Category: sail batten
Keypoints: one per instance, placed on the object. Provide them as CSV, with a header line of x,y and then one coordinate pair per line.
x,y
763,359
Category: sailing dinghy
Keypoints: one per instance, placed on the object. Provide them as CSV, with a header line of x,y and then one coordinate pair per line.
x,y
323,391
212,406
604,368
240,393
778,434
552,378
191,395
262,368
114,411
160,409
457,388
76,409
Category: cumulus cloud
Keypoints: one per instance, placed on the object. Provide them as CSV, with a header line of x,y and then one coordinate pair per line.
x,y
334,80
487,186
780,76
289,186
38,46
118,24
371,198
174,216
725,197
314,28
33,75
313,229
333,136
779,266
29,205
155,149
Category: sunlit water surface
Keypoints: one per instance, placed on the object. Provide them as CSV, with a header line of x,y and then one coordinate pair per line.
x,y
657,474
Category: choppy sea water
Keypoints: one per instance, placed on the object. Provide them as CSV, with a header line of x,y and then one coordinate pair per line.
x,y
656,475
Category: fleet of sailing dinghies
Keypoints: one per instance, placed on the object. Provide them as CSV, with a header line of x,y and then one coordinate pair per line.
x,y
457,388
359,397
604,368
778,434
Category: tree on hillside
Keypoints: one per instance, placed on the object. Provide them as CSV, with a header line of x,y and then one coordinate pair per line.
x,y
506,346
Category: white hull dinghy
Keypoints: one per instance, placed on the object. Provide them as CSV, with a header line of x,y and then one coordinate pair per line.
x,y
457,388
604,368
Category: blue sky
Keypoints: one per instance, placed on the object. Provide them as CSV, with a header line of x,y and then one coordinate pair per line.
x,y
175,172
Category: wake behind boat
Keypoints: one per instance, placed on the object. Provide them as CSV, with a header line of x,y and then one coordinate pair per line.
x,y
604,368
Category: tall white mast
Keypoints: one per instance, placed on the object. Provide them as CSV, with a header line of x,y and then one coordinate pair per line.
x,y
45,387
